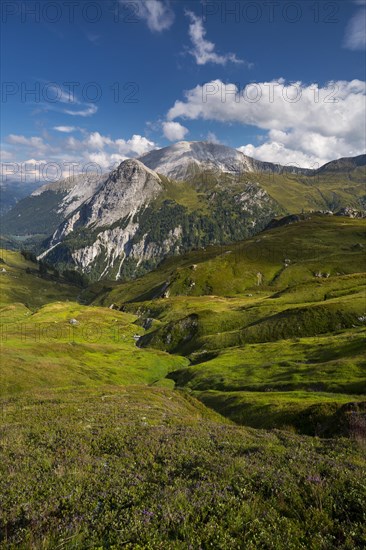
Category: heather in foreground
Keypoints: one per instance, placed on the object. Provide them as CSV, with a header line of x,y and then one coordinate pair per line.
x,y
142,467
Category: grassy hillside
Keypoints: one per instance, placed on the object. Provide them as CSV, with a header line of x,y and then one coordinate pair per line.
x,y
330,246
322,191
328,188
101,449
20,281
209,209
43,350
273,324
145,468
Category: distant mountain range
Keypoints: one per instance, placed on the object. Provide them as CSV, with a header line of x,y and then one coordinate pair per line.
x,y
171,200
11,192
187,158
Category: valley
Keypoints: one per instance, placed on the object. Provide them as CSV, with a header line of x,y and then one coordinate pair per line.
x,y
183,275
216,398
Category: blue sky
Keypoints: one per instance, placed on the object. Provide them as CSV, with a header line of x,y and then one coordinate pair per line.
x,y
282,81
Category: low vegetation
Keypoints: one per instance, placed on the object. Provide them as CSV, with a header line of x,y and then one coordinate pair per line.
x,y
201,406
140,467
275,324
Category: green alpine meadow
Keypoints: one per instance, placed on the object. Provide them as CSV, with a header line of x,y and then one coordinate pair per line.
x,y
198,406
183,275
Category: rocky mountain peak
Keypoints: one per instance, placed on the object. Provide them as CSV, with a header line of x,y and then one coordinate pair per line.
x,y
129,187
132,170
75,190
186,158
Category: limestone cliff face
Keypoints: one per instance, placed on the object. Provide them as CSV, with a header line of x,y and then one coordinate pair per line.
x,y
103,228
74,190
129,224
127,189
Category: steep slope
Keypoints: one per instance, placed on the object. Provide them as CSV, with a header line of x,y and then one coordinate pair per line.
x,y
11,192
315,248
128,188
274,327
96,453
136,218
22,283
343,164
102,228
49,205
337,184
121,225
340,183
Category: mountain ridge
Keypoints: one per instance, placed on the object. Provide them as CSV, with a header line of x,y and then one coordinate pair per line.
x,y
122,224
184,158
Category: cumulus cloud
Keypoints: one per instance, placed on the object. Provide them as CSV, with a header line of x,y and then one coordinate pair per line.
x,y
95,143
22,140
355,35
174,131
306,124
104,160
203,50
103,151
157,14
137,145
35,144
283,149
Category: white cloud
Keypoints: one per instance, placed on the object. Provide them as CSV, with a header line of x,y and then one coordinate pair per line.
x,y
286,151
137,145
87,111
73,144
157,14
34,162
302,148
65,129
97,141
204,51
212,138
64,100
16,139
174,131
304,122
29,170
355,35
5,155
67,150
104,160
34,144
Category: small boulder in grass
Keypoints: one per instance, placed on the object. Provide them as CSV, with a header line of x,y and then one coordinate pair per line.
x,y
73,322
